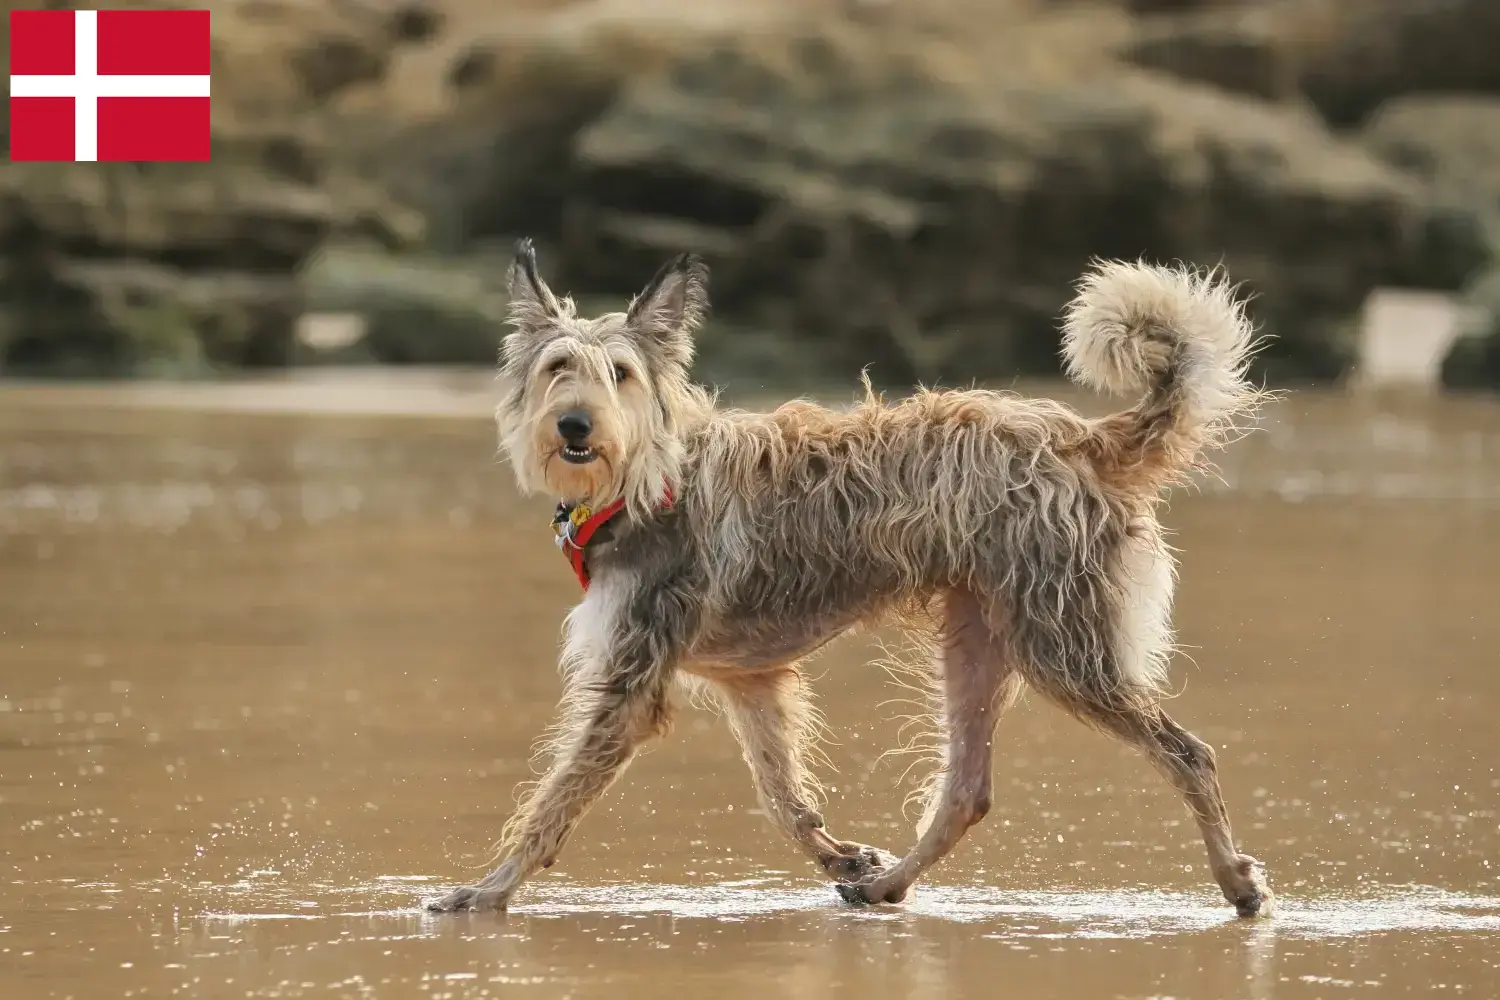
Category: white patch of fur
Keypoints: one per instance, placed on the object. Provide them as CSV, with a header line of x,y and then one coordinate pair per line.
x,y
590,627
1146,578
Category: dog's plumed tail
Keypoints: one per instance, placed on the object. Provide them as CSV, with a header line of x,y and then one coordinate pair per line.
x,y
1181,339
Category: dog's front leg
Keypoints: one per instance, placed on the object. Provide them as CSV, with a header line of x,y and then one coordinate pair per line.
x,y
625,642
774,721
603,726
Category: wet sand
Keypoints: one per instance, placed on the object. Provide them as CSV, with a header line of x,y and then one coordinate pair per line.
x,y
268,679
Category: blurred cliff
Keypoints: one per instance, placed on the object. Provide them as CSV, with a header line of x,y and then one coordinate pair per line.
x,y
911,184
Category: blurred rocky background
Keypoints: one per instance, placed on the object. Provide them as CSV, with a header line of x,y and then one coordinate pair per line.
x,y
906,184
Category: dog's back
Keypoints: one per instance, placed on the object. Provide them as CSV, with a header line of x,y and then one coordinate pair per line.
x,y
811,514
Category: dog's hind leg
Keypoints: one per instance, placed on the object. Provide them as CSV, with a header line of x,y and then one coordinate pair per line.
x,y
978,684
1188,763
773,719
1101,660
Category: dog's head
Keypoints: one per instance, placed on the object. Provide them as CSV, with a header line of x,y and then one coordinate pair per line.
x,y
591,408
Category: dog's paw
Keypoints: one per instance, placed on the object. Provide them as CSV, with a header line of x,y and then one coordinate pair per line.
x,y
871,891
857,862
1250,893
474,898
851,894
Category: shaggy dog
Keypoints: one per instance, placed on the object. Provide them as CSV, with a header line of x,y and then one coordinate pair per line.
x,y
723,547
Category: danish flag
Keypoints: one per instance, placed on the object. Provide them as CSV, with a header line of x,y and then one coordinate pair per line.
x,y
109,85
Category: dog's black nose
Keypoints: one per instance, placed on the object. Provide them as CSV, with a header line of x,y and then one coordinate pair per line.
x,y
575,426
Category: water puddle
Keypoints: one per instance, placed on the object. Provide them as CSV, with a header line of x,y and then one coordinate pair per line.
x,y
1004,913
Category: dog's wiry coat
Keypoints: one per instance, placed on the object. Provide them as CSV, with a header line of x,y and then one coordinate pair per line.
x,y
1025,531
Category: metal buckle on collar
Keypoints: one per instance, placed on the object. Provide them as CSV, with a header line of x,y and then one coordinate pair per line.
x,y
566,521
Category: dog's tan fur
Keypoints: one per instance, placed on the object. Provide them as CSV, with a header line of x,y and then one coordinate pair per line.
x,y
1026,532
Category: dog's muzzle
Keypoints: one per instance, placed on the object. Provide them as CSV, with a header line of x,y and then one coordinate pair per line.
x,y
574,427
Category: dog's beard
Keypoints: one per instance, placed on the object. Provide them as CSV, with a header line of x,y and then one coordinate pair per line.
x,y
575,481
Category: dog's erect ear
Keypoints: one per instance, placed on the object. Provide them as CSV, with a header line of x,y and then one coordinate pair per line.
x,y
532,303
670,308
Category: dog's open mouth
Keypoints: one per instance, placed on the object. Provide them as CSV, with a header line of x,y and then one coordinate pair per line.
x,y
578,454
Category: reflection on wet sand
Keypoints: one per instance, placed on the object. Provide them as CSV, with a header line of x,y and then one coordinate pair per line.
x,y
269,681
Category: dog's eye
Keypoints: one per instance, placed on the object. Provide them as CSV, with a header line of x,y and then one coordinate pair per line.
x,y
621,374
557,366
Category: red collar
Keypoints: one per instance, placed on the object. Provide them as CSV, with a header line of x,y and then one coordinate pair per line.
x,y
575,526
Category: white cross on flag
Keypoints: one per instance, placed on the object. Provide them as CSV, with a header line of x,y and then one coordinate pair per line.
x,y
109,85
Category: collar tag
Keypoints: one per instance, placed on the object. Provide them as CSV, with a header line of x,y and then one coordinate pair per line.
x,y
567,521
